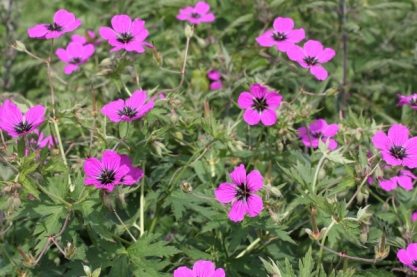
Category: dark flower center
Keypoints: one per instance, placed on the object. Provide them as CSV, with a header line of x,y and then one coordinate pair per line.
x,y
75,60
414,263
310,60
127,111
54,27
279,36
398,152
260,104
22,127
242,193
316,134
413,101
195,15
125,37
106,177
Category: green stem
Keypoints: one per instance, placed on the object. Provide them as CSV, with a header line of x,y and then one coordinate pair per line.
x,y
316,174
250,247
323,240
124,226
68,205
61,149
142,204
257,148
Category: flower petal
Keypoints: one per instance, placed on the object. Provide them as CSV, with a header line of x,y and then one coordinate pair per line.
x,y
381,141
226,192
203,268
258,91
254,205
138,29
398,134
202,8
252,117
92,167
273,99
62,55
269,117
62,17
331,130
296,53
313,48
121,23
35,116
207,18
412,251
405,182
38,31
107,33
326,55
137,99
238,175
218,273
403,256
283,24
183,271
245,100
319,72
296,35
111,160
389,159
69,68
266,39
387,185
216,85
144,110
135,45
111,110
238,211
254,181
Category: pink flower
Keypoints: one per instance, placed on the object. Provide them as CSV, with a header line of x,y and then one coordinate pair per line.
x,y
64,22
89,38
409,256
129,110
396,148
75,55
15,124
126,35
216,77
241,193
196,15
312,56
201,268
404,178
283,36
259,104
112,170
318,131
410,100
414,216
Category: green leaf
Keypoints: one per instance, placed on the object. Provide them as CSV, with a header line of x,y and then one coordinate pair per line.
x,y
306,265
272,268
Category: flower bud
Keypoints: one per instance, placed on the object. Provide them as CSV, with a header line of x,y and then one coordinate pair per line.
x,y
385,207
189,30
96,272
28,259
363,237
106,62
87,270
157,57
186,187
19,46
70,251
331,92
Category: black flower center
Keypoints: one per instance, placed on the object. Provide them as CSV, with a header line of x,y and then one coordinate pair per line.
x,y
413,101
242,193
127,111
106,177
316,134
279,36
75,60
54,27
398,152
125,37
260,104
195,15
414,263
310,60
22,127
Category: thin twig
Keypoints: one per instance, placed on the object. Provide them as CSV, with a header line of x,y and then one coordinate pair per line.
x,y
342,255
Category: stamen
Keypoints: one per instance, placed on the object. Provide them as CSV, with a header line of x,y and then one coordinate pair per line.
x,y
260,104
22,127
106,177
125,38
398,152
128,112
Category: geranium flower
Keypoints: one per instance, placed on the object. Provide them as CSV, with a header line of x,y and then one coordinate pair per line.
x,y
201,268
126,35
40,143
89,38
410,100
259,104
319,130
129,110
112,170
241,193
64,22
216,77
283,36
15,124
75,55
409,256
312,56
396,148
196,15
404,178
414,216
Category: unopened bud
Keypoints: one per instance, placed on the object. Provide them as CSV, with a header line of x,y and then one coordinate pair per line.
x,y
96,272
87,270
28,259
19,46
381,253
186,187
385,207
189,30
70,251
106,62
331,92
157,57
363,237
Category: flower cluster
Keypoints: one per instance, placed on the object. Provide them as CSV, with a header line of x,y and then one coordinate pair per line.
x,y
196,15
319,130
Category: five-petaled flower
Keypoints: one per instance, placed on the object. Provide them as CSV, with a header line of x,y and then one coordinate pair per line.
x,y
283,36
126,35
410,100
241,193
196,15
396,148
75,55
40,142
129,110
201,268
64,22
409,256
13,122
88,38
216,78
113,169
319,130
404,178
259,104
312,56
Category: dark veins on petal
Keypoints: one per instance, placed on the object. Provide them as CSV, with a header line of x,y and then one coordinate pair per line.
x,y
106,177
75,60
127,111
279,36
195,15
398,152
310,61
125,38
54,27
22,127
242,193
316,134
413,101
414,263
260,104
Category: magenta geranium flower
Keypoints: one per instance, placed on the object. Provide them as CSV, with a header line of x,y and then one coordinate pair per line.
x,y
41,142
283,36
129,110
15,124
113,169
126,35
196,15
216,78
414,216
241,193
409,256
404,179
410,100
201,268
89,38
64,22
319,130
75,55
259,104
396,148
312,56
